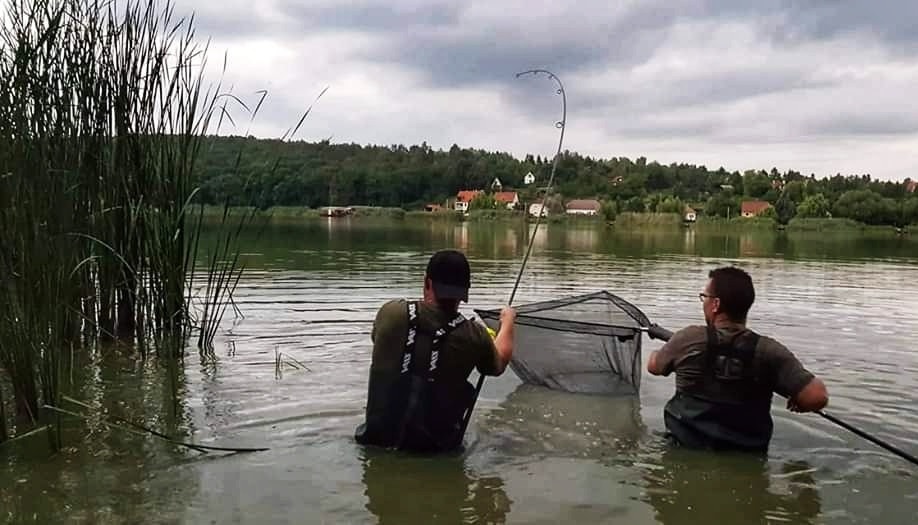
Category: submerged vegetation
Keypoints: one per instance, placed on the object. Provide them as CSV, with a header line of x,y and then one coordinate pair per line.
x,y
103,114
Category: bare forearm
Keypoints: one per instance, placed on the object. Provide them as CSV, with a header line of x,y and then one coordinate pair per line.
x,y
504,344
813,397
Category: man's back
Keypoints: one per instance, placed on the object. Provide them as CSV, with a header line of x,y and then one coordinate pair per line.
x,y
715,409
465,347
725,374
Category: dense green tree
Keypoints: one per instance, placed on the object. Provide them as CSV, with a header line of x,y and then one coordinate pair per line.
x,y
756,184
264,173
813,206
866,206
785,209
723,204
484,201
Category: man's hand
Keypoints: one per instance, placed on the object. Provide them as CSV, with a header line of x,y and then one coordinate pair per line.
x,y
507,316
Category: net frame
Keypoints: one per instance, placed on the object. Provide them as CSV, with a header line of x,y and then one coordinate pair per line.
x,y
626,328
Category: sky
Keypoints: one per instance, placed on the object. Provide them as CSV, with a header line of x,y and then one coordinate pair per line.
x,y
818,86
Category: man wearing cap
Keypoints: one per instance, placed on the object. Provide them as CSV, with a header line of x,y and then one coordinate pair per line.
x,y
423,352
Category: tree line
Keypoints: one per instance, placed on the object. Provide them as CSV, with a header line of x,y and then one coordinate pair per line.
x,y
266,172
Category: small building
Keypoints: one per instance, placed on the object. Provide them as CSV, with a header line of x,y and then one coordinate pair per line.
x,y
537,208
689,214
336,211
433,207
911,185
496,185
753,208
583,207
510,199
464,198
529,178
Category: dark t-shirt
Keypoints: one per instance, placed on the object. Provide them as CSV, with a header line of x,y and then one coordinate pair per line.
x,y
467,347
732,414
774,365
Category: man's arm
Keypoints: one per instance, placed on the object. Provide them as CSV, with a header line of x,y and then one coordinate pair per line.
x,y
812,398
804,391
504,340
497,351
663,361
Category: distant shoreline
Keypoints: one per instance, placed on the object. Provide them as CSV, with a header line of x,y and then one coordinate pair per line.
x,y
628,221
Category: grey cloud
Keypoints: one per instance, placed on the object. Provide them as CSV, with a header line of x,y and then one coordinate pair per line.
x,y
893,22
864,124
388,17
627,78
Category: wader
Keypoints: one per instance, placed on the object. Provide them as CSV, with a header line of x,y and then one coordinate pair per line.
x,y
731,407
424,411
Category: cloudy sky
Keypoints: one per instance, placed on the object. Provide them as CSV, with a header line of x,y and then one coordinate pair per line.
x,y
820,86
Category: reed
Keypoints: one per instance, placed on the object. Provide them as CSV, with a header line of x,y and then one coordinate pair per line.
x,y
103,113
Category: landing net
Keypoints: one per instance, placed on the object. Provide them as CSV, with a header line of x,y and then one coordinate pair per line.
x,y
589,344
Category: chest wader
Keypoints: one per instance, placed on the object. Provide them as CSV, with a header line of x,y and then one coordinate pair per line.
x,y
731,407
426,408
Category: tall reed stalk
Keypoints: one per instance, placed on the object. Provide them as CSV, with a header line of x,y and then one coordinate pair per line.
x,y
102,115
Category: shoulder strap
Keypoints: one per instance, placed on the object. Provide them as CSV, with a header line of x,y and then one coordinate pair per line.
x,y
416,381
411,341
731,360
439,336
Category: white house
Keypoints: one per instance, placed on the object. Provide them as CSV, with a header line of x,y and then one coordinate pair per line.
x,y
690,215
537,208
496,185
529,178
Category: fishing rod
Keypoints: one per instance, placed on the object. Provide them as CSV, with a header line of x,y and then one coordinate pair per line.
x,y
658,332
561,124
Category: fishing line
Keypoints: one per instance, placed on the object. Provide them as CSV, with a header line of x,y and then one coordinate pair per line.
x,y
561,124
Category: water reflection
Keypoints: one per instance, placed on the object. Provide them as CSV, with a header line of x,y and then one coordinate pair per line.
x,y
101,473
535,420
694,487
403,489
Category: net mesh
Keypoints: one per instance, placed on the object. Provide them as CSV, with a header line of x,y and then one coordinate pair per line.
x,y
589,344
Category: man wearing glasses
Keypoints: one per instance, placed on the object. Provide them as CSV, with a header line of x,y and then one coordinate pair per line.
x,y
726,374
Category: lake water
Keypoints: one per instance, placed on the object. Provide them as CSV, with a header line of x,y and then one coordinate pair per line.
x,y
847,307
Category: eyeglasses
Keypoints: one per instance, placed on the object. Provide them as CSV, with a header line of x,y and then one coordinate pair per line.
x,y
702,296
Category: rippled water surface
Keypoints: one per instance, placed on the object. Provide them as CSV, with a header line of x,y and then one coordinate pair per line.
x,y
847,307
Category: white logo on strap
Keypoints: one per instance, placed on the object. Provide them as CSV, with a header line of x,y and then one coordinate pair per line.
x,y
405,362
433,360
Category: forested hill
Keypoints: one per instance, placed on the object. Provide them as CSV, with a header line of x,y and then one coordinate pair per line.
x,y
265,173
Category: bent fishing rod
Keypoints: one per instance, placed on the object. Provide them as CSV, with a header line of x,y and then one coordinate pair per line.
x,y
656,331
561,124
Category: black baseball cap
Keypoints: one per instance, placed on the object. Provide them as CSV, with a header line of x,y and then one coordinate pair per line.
x,y
450,275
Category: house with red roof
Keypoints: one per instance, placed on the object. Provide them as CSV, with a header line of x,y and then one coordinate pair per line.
x,y
510,199
911,185
754,208
464,198
583,207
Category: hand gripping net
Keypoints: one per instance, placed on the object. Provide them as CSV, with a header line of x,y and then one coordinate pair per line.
x,y
589,344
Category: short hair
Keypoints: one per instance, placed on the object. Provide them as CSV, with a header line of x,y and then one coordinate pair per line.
x,y
734,288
